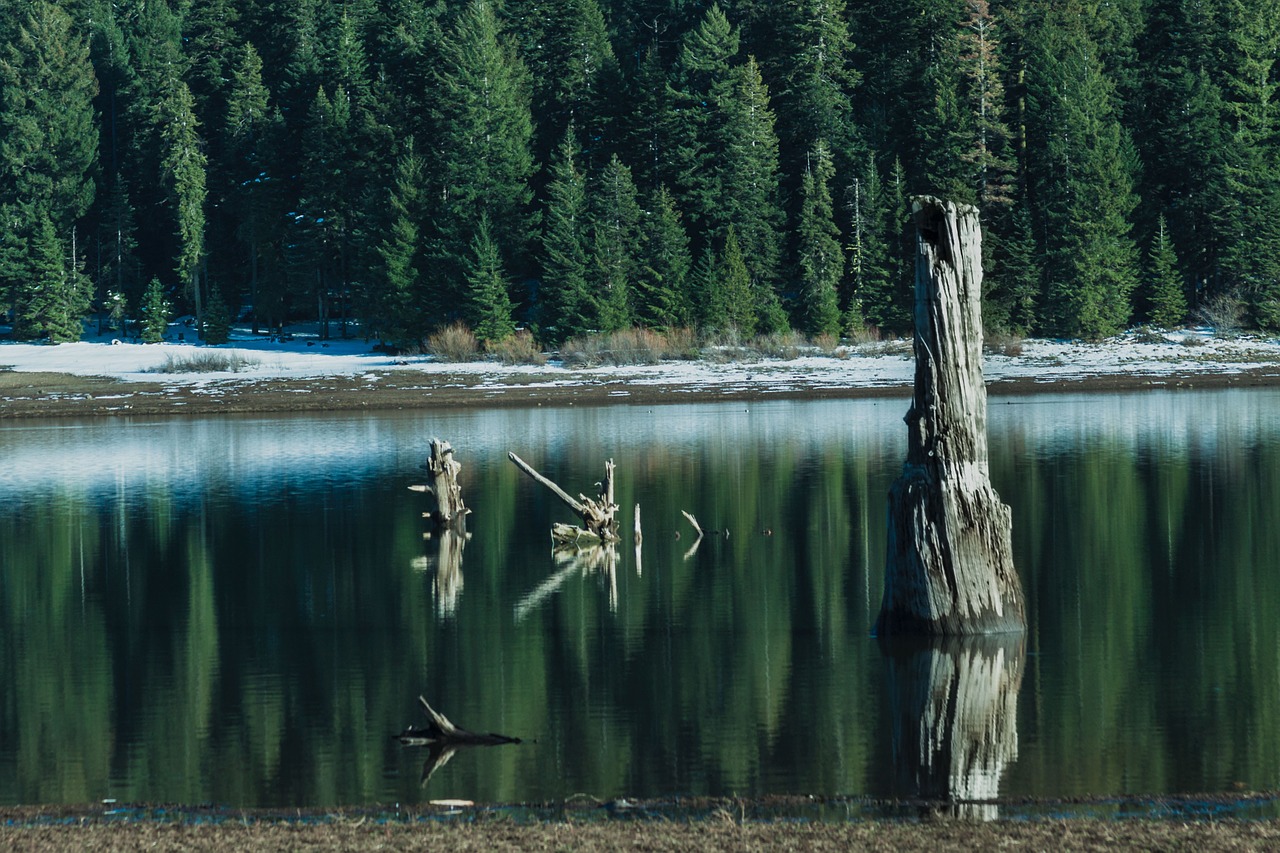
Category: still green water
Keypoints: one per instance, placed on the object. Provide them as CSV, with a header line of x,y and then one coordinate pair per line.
x,y
242,611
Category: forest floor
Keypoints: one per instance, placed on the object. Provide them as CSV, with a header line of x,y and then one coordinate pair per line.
x,y
303,373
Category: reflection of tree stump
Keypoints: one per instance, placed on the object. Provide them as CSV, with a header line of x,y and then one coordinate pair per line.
x,y
444,557
955,718
949,568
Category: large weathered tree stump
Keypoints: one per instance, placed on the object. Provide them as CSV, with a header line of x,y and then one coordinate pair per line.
x,y
949,568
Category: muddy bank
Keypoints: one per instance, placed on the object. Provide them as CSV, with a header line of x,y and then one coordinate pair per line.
x,y
725,829
31,395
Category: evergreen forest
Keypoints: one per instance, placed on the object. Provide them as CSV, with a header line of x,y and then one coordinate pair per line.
x,y
393,167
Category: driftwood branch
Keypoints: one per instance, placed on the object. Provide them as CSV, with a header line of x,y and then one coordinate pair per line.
x,y
598,514
440,729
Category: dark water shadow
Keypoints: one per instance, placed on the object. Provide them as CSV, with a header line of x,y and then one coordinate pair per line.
x,y
954,715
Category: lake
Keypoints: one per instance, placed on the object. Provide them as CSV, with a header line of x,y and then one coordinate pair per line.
x,y
244,610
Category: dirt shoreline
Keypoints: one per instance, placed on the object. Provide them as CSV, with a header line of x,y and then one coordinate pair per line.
x,y
60,395
724,825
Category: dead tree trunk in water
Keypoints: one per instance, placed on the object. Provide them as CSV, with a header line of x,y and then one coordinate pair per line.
x,y
444,469
949,569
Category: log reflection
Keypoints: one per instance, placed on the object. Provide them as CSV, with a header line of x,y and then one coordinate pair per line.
x,y
601,560
444,559
954,707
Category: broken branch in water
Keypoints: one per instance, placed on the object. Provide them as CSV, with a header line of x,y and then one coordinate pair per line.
x,y
440,729
597,514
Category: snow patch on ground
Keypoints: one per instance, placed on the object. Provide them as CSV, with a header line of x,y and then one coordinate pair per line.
x,y
304,355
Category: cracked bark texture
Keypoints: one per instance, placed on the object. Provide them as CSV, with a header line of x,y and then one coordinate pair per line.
x,y
949,566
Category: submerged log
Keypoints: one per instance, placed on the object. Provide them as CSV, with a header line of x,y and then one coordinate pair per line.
x,y
949,566
444,469
597,514
440,730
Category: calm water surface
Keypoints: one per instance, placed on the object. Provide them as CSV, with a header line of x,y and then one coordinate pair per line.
x,y
243,610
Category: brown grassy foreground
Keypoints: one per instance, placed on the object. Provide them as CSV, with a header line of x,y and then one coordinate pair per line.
x,y
367,834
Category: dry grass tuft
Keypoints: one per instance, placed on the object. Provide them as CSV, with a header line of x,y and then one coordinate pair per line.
x,y
454,343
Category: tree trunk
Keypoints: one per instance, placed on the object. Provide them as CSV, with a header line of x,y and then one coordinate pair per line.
x,y
450,509
949,569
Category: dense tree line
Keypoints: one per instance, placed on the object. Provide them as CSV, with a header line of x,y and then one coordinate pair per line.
x,y
590,165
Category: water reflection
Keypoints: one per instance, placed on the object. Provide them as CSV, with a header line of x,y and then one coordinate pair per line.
x,y
954,718
443,562
599,559
224,610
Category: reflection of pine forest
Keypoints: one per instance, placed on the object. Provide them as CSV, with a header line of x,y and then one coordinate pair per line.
x,y
260,648
593,165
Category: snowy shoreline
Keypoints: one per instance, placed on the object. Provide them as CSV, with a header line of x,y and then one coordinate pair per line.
x,y
274,375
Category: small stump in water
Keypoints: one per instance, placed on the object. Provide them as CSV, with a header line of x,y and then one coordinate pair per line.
x,y
949,567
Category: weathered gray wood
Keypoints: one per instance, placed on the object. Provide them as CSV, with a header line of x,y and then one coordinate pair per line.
x,y
949,569
597,514
444,470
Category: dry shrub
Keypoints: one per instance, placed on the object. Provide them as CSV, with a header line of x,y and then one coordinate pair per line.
x,y
682,343
826,344
864,334
625,346
1223,313
454,343
206,362
783,345
518,348
1004,343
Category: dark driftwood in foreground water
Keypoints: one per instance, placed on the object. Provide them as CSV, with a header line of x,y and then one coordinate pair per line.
x,y
440,730
444,469
597,514
949,568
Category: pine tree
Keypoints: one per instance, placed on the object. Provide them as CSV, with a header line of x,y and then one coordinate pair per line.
x,y
740,298
1082,176
708,294
748,180
155,313
1183,137
119,270
48,138
482,145
1252,256
616,245
817,81
394,306
821,259
868,295
489,306
183,169
692,127
567,305
250,131
661,300
217,319
1165,289
565,45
